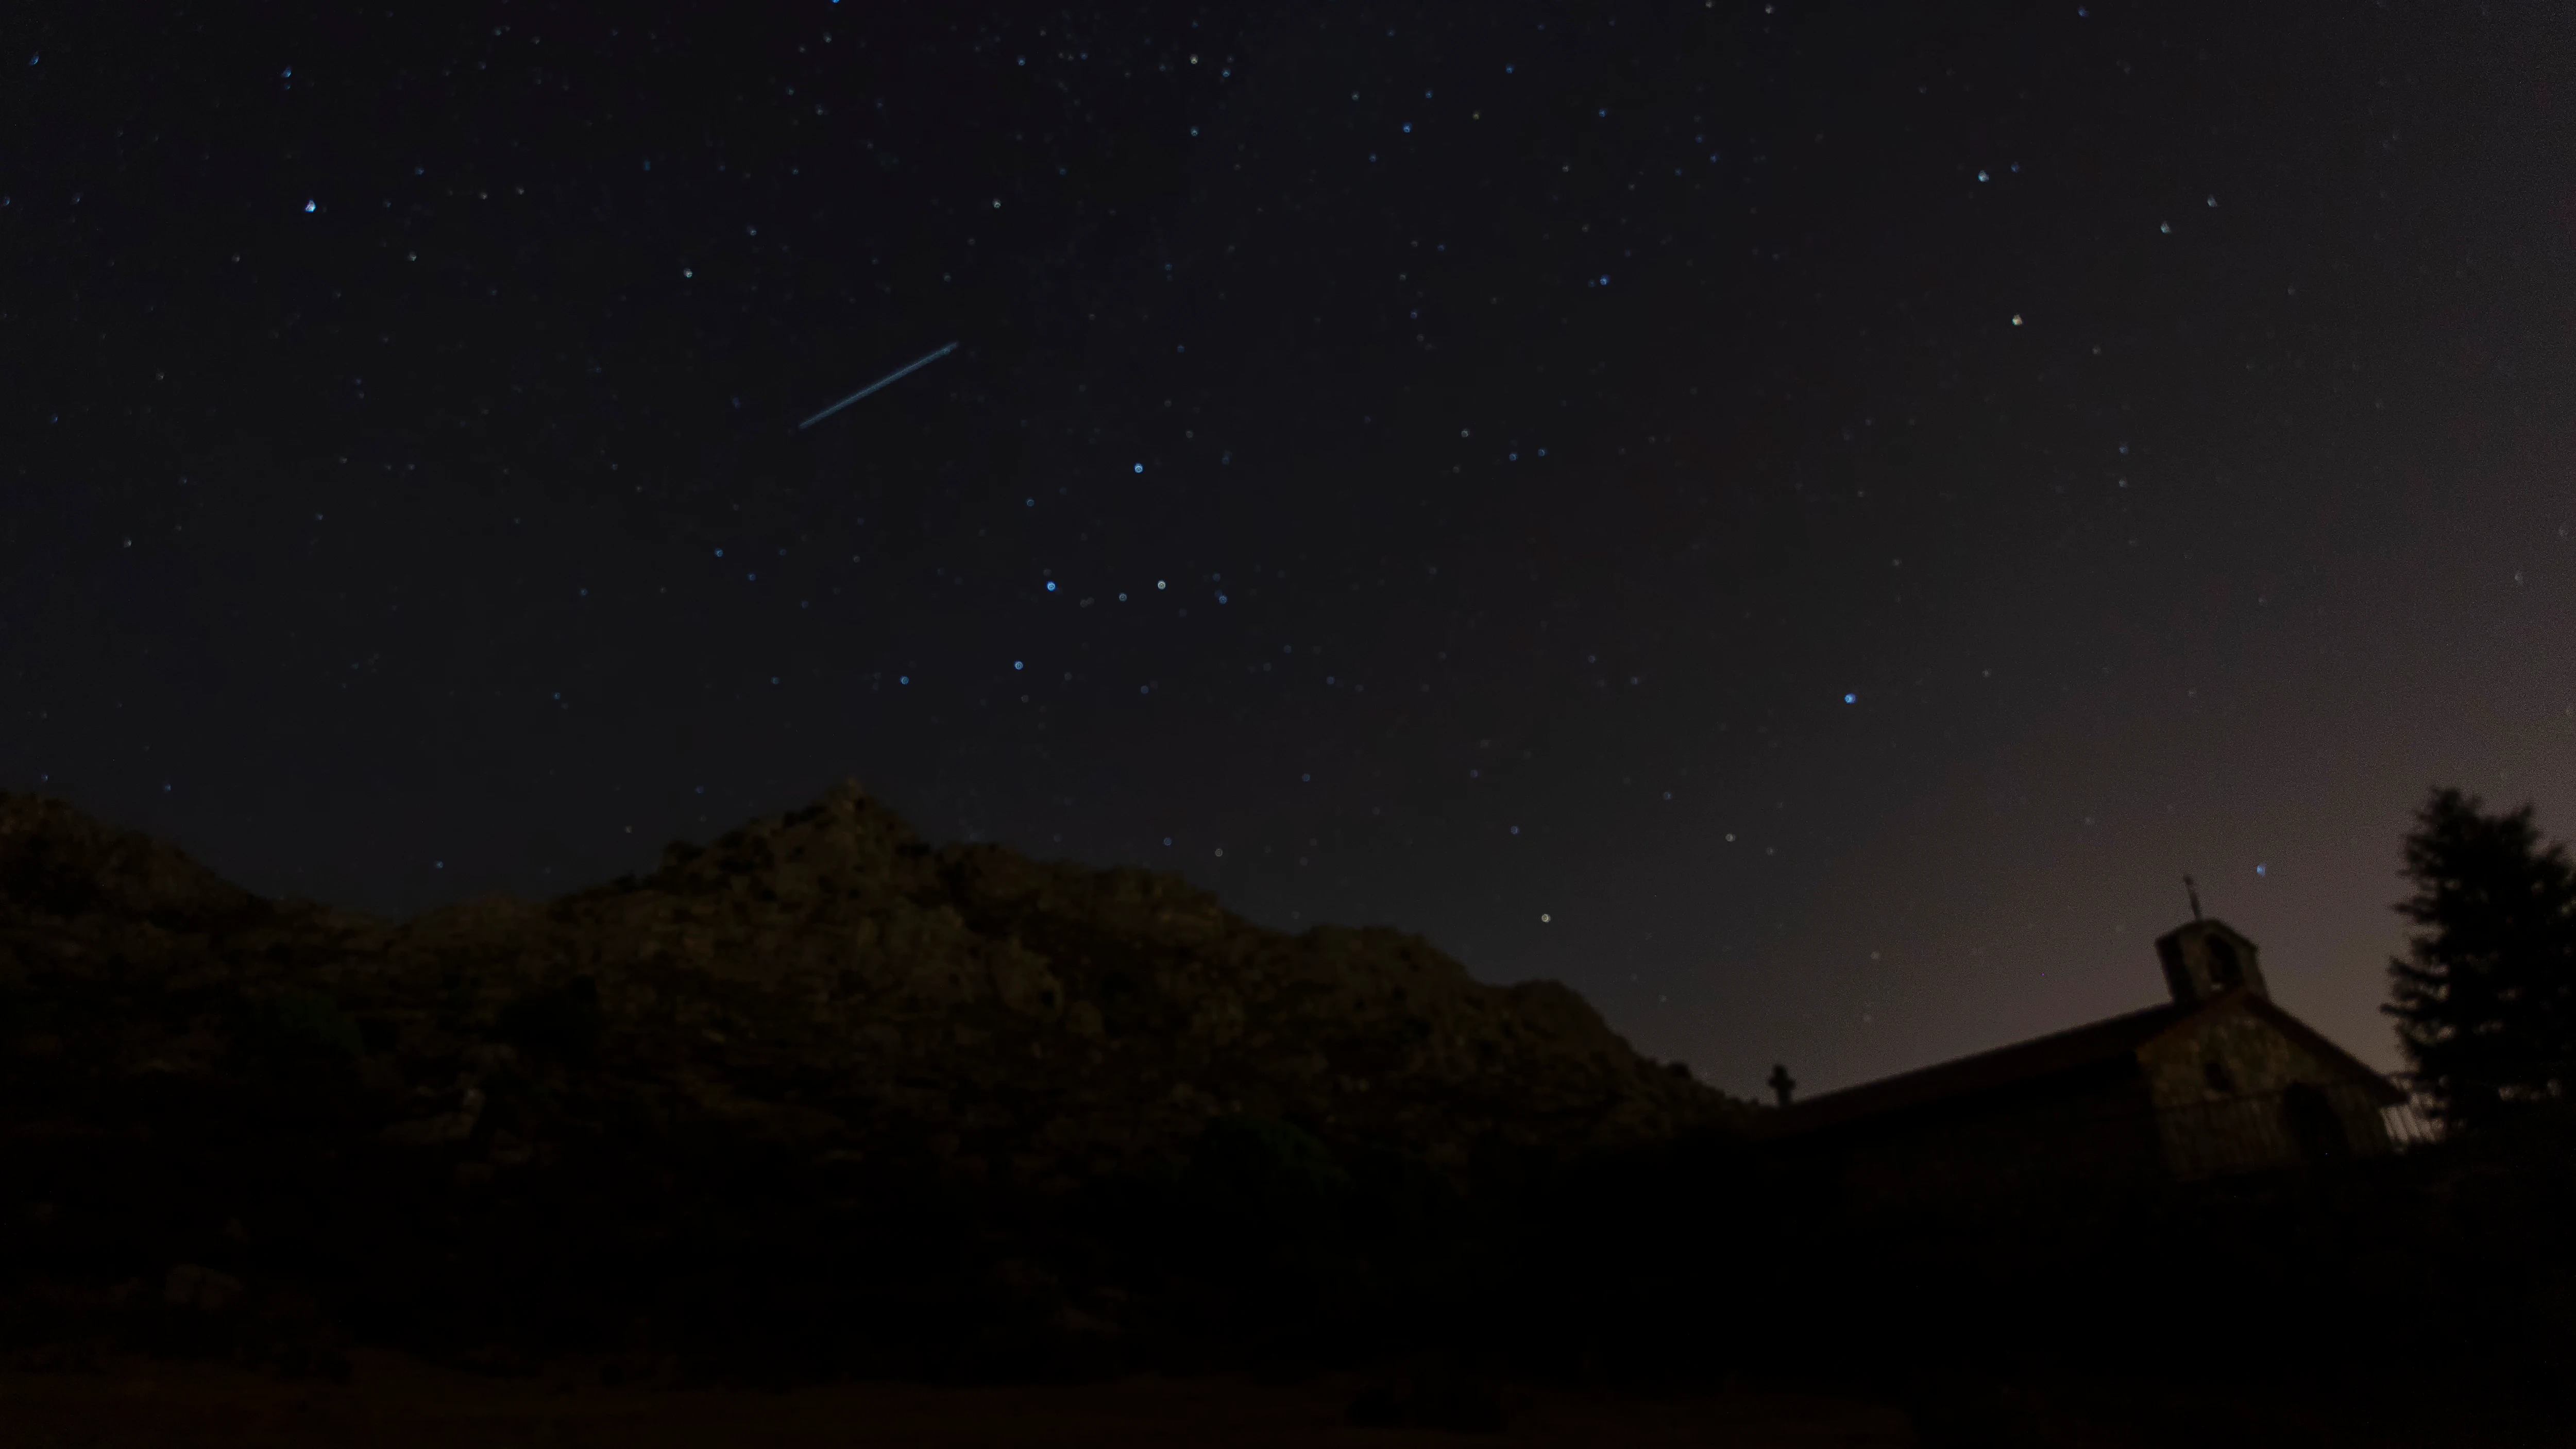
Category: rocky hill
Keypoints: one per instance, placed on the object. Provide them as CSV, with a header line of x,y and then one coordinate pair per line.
x,y
816,1015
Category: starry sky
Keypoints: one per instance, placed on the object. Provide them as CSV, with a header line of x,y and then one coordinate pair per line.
x,y
1801,520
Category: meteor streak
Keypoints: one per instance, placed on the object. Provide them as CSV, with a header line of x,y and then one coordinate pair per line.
x,y
872,387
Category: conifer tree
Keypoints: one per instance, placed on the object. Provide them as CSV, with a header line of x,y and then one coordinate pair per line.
x,y
2485,998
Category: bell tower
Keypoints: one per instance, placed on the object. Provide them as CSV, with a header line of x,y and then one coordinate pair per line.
x,y
2207,957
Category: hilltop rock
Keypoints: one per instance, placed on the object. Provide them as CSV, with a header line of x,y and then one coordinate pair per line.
x,y
57,864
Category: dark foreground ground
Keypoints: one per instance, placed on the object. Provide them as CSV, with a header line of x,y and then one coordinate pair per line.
x,y
399,1403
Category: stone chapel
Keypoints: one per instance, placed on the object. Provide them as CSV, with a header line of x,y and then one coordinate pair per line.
x,y
2218,1080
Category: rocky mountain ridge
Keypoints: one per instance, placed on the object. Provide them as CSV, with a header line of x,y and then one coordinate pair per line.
x,y
816,1082
829,964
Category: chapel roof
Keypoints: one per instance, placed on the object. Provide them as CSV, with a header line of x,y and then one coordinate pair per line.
x,y
2102,1045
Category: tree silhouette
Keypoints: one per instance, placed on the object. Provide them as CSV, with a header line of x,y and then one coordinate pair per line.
x,y
2485,998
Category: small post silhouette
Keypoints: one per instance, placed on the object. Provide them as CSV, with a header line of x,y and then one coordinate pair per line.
x,y
1781,1083
2191,888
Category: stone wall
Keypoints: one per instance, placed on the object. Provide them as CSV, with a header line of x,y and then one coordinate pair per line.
x,y
2222,1088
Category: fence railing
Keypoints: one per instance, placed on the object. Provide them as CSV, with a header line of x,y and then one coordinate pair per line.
x,y
2412,1123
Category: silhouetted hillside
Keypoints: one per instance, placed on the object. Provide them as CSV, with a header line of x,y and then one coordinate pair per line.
x,y
816,1082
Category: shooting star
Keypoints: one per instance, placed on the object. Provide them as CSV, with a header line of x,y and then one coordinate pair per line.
x,y
872,387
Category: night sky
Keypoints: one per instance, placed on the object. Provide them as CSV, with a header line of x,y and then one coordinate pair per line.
x,y
1802,521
